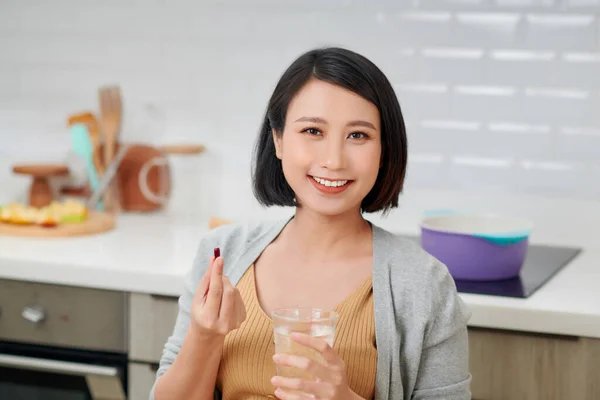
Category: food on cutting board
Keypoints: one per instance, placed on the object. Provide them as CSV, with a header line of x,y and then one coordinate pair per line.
x,y
18,214
52,215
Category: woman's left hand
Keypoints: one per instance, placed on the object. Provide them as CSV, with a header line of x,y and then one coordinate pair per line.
x,y
331,382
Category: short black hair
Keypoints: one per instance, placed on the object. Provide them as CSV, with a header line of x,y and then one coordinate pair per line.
x,y
356,73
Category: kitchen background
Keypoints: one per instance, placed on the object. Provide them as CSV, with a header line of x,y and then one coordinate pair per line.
x,y
502,103
500,96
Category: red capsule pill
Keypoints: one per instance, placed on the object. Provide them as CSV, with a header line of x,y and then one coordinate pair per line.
x,y
217,252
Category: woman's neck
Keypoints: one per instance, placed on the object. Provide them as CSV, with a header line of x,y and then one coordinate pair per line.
x,y
320,237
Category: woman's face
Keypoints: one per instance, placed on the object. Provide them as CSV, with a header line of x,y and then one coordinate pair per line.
x,y
330,148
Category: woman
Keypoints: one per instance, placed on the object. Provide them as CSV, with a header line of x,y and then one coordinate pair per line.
x,y
332,145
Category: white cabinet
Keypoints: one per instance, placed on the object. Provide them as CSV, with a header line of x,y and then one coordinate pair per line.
x,y
141,379
151,322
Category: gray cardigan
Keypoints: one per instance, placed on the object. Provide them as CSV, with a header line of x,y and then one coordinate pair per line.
x,y
420,321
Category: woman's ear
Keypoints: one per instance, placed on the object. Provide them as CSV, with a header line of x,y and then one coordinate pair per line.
x,y
277,141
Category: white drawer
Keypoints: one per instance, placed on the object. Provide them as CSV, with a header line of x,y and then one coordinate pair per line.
x,y
141,378
151,322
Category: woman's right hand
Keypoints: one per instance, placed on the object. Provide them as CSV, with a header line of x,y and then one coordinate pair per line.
x,y
217,308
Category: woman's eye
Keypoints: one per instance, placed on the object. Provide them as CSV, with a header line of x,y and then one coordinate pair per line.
x,y
312,131
357,135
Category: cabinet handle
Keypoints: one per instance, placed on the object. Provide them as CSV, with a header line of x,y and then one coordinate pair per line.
x,y
34,314
56,366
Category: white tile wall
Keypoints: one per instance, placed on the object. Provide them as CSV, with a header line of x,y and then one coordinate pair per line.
x,y
499,95
561,32
522,67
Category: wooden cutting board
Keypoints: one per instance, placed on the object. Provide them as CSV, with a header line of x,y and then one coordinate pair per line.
x,y
96,222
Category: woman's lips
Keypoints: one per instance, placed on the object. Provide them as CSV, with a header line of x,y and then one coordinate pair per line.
x,y
322,187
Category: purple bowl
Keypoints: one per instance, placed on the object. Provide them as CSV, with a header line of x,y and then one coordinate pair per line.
x,y
477,247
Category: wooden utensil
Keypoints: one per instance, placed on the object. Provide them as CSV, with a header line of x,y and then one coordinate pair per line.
x,y
40,193
182,149
110,114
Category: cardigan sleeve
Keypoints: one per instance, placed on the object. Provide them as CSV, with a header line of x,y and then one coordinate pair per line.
x,y
192,278
444,366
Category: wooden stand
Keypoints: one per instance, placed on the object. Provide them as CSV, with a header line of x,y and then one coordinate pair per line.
x,y
40,193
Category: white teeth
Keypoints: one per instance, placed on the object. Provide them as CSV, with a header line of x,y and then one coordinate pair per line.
x,y
330,183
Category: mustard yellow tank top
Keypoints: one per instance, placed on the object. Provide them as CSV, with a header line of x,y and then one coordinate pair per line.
x,y
247,365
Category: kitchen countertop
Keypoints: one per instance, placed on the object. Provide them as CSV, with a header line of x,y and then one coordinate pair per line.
x,y
152,253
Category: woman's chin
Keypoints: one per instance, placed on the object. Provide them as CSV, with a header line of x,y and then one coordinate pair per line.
x,y
330,207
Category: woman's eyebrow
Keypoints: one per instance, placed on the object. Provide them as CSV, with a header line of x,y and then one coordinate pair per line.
x,y
365,124
319,120
316,120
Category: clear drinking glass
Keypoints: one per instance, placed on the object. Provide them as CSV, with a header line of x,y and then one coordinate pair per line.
x,y
311,321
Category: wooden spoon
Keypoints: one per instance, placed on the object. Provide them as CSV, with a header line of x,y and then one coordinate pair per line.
x,y
182,149
110,111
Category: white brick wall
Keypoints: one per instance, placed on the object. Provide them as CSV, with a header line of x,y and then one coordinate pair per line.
x,y
499,95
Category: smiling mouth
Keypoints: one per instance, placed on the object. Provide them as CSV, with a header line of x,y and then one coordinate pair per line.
x,y
330,186
330,183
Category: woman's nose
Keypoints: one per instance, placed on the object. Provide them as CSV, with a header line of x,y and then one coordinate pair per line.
x,y
333,155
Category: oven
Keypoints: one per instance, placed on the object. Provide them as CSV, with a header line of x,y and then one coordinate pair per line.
x,y
62,342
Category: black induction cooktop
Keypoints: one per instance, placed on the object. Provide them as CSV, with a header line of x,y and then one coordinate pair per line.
x,y
541,264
